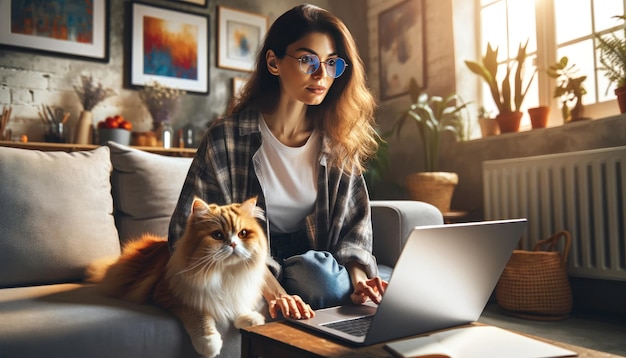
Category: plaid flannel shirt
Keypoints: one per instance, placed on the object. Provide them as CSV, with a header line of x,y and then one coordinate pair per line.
x,y
225,170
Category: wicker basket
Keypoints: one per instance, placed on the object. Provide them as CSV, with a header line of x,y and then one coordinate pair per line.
x,y
534,284
435,188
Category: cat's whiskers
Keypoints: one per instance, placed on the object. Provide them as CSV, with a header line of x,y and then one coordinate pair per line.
x,y
198,263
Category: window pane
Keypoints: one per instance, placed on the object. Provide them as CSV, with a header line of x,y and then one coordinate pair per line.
x,y
581,55
493,26
522,26
605,88
604,10
571,22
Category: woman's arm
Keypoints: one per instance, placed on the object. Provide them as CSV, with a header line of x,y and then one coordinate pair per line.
x,y
278,299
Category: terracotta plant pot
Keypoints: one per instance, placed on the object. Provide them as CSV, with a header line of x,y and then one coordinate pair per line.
x,y
509,121
539,116
435,188
621,98
488,127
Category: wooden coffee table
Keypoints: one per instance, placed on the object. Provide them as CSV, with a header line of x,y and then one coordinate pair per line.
x,y
285,340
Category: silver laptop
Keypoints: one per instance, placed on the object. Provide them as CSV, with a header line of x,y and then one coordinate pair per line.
x,y
443,278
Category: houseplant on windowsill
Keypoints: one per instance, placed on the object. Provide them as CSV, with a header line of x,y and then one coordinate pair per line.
x,y
613,61
569,89
507,102
433,117
488,125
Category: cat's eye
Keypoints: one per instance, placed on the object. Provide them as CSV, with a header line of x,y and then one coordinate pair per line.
x,y
243,233
217,235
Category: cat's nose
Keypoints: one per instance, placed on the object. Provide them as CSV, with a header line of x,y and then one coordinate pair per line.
x,y
232,244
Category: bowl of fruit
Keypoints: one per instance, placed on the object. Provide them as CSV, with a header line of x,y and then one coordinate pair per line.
x,y
115,129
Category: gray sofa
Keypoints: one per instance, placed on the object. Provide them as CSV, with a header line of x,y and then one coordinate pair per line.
x,y
59,211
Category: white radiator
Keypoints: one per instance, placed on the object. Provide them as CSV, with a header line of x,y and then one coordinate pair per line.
x,y
583,192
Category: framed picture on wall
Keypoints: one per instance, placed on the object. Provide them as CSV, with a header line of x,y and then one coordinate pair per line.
x,y
202,3
401,48
170,47
76,29
238,83
240,34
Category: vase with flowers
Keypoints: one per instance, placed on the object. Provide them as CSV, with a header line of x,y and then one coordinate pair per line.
x,y
90,93
161,102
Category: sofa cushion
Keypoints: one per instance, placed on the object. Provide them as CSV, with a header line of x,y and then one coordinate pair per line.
x,y
76,320
56,214
146,187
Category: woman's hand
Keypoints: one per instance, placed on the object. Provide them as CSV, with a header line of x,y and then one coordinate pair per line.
x,y
372,289
290,306
279,300
365,288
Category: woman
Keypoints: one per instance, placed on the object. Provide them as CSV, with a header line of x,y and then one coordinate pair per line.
x,y
297,138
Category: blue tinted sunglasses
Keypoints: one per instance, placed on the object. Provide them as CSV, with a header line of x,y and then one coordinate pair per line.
x,y
310,63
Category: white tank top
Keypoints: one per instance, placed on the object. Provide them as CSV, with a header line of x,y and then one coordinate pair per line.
x,y
289,180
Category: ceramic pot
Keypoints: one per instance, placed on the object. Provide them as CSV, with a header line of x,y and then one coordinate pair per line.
x,y
84,128
621,98
488,127
509,121
121,136
539,116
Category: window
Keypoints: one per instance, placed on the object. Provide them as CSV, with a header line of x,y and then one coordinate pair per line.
x,y
553,28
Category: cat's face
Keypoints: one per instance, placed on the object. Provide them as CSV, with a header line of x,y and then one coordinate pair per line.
x,y
219,236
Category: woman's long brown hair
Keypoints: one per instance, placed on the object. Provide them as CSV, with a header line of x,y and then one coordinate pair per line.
x,y
346,115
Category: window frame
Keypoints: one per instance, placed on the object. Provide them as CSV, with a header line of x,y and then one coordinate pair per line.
x,y
546,55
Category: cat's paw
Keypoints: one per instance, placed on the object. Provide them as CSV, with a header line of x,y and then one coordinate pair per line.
x,y
208,346
250,319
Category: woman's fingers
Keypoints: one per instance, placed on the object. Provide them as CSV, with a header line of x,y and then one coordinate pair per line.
x,y
372,289
290,306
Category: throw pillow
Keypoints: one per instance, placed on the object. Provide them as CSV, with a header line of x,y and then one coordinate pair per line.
x,y
146,187
56,214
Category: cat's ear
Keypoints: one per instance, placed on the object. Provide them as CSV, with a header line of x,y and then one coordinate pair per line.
x,y
249,207
199,206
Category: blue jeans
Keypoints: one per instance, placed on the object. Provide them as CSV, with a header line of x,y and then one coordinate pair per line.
x,y
313,275
317,278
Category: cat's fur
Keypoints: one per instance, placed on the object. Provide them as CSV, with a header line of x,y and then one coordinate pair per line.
x,y
214,275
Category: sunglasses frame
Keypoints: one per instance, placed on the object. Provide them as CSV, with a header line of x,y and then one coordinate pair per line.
x,y
320,62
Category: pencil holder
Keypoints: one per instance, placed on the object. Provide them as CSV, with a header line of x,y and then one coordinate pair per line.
x,y
55,133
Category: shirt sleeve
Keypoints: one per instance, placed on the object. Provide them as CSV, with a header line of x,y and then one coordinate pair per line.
x,y
351,223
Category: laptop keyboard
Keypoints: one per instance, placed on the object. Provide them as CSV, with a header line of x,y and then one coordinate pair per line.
x,y
357,326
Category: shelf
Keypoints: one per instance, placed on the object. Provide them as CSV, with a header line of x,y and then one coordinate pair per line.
x,y
71,147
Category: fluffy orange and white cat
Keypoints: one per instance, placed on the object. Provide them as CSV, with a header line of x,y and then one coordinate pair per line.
x,y
215,273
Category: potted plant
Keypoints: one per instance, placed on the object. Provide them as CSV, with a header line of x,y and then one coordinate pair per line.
x,y
488,125
569,89
508,102
612,49
433,116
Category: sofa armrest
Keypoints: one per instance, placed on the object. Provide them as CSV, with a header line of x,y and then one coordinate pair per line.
x,y
393,220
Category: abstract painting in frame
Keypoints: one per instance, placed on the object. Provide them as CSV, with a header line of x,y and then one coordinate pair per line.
x,y
170,47
401,48
202,3
239,37
74,28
